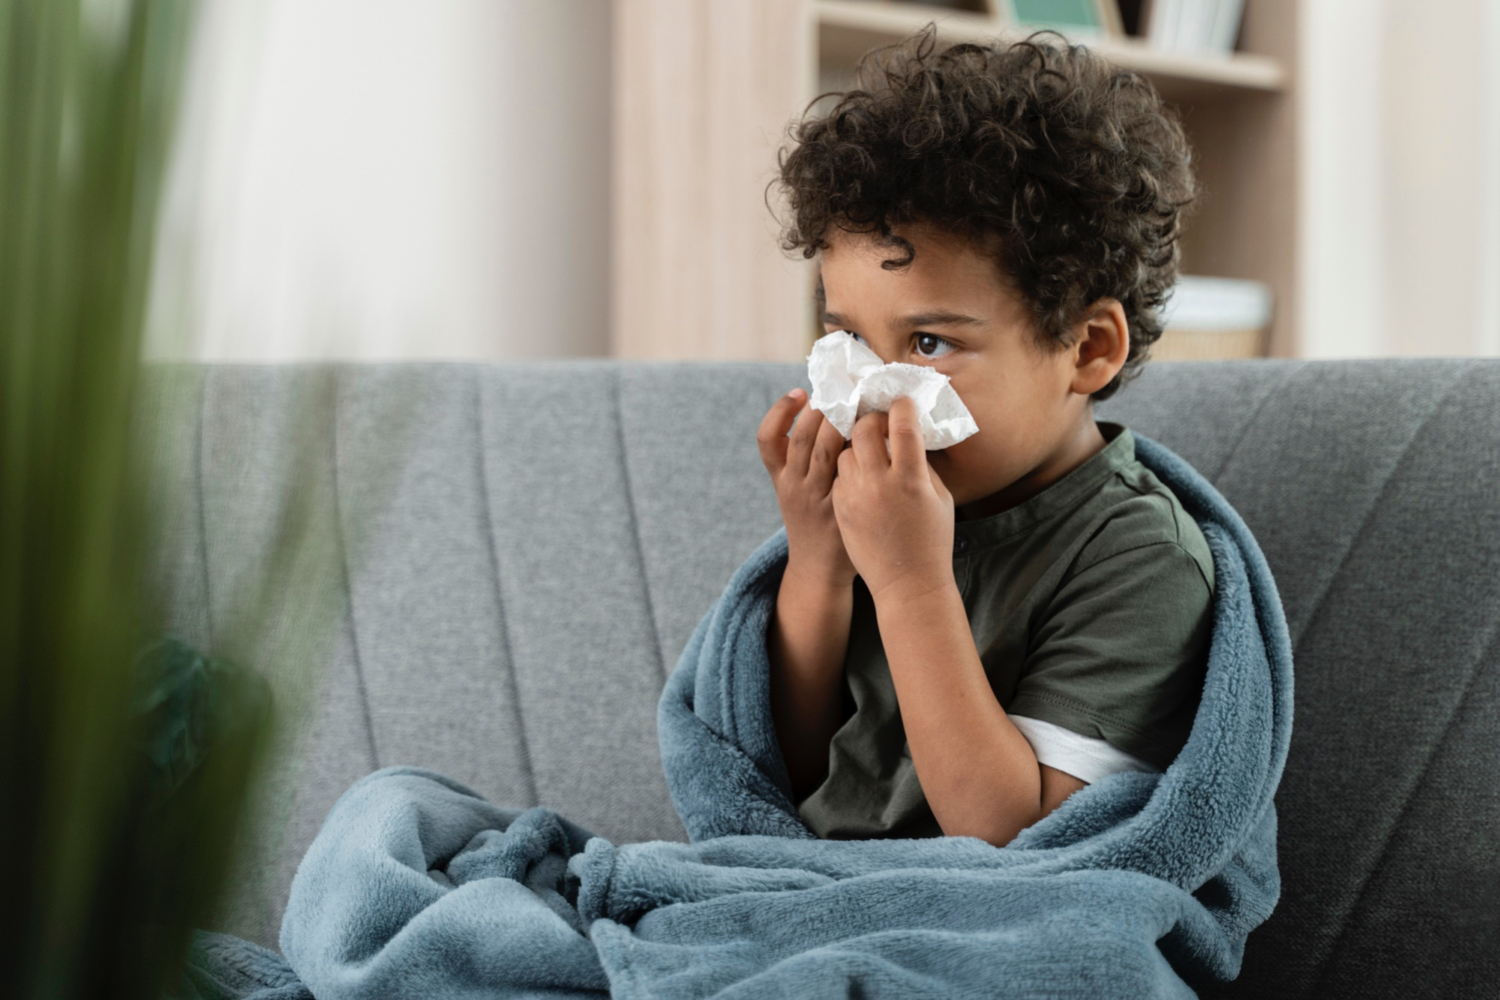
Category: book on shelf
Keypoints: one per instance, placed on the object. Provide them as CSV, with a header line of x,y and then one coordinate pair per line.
x,y
1196,26
970,6
1199,26
1212,318
1077,18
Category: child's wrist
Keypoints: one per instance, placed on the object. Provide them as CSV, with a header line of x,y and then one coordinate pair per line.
x,y
812,575
916,593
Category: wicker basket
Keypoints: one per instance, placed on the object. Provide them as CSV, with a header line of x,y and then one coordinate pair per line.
x,y
1208,345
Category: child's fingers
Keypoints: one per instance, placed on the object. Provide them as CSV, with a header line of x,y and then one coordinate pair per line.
x,y
800,443
771,437
869,441
938,486
908,449
825,454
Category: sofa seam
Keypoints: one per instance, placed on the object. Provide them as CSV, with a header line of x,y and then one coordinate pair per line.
x,y
1406,806
1254,418
338,516
528,770
208,594
1375,505
1326,960
631,512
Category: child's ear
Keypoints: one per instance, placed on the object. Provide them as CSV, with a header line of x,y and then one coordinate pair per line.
x,y
1100,346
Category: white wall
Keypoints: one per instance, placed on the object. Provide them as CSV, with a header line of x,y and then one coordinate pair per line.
x,y
1400,146
386,179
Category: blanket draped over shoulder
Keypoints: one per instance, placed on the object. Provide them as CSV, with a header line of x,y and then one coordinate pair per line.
x,y
1140,885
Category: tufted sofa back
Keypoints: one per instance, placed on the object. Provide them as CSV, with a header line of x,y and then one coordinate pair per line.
x,y
522,551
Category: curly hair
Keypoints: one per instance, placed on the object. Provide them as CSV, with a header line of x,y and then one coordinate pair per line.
x,y
1070,172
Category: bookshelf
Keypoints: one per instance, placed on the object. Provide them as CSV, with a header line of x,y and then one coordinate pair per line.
x,y
849,28
775,56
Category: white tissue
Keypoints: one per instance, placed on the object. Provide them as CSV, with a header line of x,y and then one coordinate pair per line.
x,y
849,380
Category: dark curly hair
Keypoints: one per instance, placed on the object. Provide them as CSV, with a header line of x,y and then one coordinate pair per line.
x,y
1070,172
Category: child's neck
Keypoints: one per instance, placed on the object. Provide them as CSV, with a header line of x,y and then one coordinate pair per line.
x,y
1082,444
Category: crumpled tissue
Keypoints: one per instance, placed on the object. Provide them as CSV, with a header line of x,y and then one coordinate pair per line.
x,y
849,380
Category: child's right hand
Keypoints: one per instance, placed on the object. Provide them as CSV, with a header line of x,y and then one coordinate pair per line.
x,y
802,468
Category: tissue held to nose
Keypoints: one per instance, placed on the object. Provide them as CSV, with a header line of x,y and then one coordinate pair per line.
x,y
849,380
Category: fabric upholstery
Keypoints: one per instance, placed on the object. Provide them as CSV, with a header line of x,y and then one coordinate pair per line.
x,y
1374,490
503,531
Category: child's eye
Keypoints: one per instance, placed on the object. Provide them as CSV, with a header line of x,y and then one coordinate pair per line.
x,y
932,346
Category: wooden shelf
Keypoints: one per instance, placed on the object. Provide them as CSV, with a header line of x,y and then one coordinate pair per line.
x,y
703,95
849,28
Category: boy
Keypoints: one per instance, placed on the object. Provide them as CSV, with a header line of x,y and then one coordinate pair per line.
x,y
964,638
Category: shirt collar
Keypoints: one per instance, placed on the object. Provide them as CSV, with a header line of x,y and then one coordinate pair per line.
x,y
1059,497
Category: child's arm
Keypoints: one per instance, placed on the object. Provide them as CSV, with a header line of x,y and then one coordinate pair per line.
x,y
810,629
978,773
808,638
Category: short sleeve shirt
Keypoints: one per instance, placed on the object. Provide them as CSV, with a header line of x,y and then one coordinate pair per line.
x,y
1091,609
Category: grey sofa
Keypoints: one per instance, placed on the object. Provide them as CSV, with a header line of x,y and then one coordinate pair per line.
x,y
523,550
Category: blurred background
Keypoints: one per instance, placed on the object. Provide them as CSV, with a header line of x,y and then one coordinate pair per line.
x,y
508,179
491,180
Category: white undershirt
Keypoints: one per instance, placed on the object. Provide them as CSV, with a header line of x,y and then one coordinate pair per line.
x,y
1084,757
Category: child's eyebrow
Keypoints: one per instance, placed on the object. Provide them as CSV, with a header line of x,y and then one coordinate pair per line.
x,y
935,318
939,317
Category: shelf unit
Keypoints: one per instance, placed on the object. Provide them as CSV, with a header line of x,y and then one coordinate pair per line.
x,y
848,28
1238,110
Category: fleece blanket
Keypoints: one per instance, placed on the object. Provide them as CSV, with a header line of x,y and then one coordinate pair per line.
x,y
1139,885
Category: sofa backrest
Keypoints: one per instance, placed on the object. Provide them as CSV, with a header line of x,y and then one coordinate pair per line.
x,y
524,549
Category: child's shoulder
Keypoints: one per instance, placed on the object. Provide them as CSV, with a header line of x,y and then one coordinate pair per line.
x,y
1140,514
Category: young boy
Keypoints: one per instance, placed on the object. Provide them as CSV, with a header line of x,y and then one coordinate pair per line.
x,y
963,638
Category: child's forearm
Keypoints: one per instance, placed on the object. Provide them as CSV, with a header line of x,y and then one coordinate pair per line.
x,y
978,773
808,638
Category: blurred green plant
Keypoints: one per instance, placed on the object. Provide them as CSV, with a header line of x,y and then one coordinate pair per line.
x,y
107,863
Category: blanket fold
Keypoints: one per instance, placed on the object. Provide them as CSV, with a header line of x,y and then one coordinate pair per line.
x,y
1137,885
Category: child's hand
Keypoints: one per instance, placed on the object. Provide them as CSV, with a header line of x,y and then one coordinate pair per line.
x,y
894,513
802,468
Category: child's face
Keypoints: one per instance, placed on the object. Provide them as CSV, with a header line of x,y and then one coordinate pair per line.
x,y
951,310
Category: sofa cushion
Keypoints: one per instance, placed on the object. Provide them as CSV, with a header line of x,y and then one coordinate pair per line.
x,y
1373,488
524,549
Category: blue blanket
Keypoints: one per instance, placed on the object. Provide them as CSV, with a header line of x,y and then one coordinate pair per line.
x,y
1141,885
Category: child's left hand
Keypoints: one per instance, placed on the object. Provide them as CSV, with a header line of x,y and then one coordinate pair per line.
x,y
894,512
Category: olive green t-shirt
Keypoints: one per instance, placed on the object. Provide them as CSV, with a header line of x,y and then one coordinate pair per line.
x,y
1090,606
